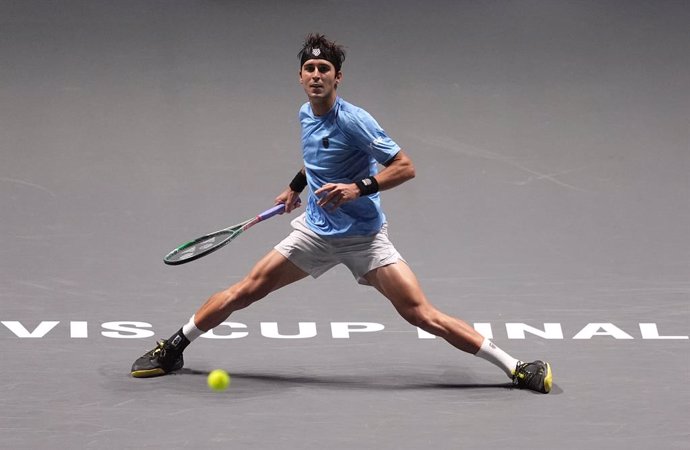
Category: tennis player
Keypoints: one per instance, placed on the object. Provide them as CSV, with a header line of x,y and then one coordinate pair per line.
x,y
343,147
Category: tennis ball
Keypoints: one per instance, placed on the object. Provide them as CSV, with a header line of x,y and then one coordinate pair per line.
x,y
218,380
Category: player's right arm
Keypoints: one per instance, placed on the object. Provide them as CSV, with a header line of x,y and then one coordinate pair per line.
x,y
291,193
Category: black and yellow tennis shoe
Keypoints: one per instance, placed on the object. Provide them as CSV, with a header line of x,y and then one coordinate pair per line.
x,y
160,361
536,376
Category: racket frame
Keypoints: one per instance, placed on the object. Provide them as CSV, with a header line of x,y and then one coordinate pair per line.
x,y
234,230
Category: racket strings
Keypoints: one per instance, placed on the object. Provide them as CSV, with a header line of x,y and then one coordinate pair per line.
x,y
200,247
211,242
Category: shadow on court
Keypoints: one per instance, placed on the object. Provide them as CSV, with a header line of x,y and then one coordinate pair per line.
x,y
375,382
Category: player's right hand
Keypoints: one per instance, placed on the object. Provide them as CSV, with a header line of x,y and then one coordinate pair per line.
x,y
290,198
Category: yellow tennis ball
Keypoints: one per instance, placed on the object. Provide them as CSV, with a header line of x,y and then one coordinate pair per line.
x,y
218,380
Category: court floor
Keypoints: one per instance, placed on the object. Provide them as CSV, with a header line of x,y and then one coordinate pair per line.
x,y
550,210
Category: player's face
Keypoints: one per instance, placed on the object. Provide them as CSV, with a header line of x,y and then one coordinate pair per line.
x,y
319,80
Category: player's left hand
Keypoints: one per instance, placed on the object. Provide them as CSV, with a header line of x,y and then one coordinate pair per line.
x,y
332,195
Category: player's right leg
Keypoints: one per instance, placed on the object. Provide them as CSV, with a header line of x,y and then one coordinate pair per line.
x,y
272,272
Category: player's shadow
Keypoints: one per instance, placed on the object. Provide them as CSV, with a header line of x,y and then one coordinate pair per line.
x,y
379,382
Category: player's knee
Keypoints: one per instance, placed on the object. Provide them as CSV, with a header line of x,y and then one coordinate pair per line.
x,y
227,300
237,296
426,318
250,290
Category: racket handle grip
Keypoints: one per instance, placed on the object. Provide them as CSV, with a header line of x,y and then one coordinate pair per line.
x,y
277,209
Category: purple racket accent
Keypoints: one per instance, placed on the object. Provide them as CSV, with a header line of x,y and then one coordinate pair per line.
x,y
277,209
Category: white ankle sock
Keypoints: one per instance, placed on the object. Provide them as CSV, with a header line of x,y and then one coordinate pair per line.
x,y
490,352
190,330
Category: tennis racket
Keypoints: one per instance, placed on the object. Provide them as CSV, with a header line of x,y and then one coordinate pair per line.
x,y
211,242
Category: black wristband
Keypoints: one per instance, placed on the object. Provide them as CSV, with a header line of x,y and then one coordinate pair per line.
x,y
299,182
368,186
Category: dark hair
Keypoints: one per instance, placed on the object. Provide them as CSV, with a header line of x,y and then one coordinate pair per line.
x,y
316,46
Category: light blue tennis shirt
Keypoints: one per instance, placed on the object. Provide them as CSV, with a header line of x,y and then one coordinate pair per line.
x,y
343,146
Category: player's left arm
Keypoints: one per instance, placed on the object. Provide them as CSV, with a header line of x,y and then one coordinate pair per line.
x,y
397,171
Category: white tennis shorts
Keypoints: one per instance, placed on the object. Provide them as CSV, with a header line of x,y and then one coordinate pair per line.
x,y
316,254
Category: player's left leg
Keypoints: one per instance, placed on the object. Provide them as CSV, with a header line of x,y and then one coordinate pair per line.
x,y
399,284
